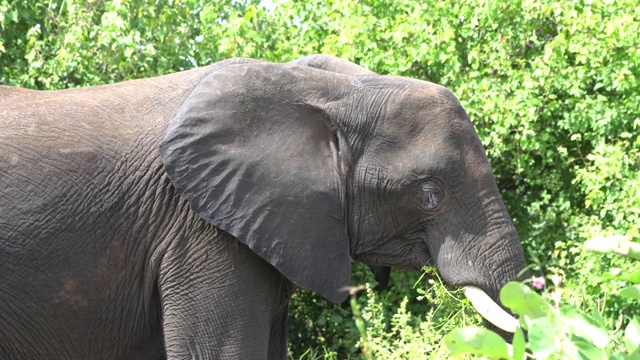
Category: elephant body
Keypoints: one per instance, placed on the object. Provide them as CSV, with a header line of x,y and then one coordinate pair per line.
x,y
117,241
113,238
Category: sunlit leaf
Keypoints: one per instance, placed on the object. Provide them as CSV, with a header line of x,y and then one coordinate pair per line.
x,y
633,276
632,292
476,340
519,345
632,335
585,327
542,334
587,349
523,301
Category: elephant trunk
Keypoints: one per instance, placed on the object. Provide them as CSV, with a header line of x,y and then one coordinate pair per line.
x,y
495,272
500,263
481,258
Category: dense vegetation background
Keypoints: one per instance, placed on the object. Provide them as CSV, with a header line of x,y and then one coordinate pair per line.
x,y
553,88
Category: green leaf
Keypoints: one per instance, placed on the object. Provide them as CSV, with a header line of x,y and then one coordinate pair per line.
x,y
585,327
632,292
633,277
519,345
336,319
618,356
587,350
632,335
476,340
542,334
524,302
595,315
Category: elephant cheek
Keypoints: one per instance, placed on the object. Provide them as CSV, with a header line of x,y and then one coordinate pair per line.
x,y
421,257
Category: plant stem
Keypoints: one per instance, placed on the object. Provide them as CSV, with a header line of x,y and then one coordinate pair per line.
x,y
360,323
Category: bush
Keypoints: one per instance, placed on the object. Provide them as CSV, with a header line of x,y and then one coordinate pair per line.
x,y
560,331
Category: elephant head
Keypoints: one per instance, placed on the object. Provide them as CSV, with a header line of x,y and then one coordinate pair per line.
x,y
311,163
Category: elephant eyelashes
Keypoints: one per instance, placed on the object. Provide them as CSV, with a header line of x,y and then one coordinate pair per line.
x,y
432,195
432,200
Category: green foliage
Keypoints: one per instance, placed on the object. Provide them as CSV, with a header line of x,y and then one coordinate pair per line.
x,y
70,43
398,333
555,330
476,340
396,323
552,86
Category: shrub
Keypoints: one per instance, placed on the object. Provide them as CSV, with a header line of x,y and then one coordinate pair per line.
x,y
557,330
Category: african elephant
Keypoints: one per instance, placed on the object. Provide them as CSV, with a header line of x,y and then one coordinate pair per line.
x,y
173,217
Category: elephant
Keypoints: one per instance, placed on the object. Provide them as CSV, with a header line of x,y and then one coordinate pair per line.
x,y
173,217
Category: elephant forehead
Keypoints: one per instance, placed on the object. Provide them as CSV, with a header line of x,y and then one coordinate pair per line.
x,y
432,137
419,111
418,160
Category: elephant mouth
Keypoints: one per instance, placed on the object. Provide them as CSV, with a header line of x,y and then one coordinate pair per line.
x,y
485,303
375,259
480,300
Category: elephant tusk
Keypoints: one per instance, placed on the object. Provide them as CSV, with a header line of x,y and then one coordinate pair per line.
x,y
489,310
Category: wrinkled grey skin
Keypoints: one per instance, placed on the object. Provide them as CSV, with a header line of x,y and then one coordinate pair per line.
x,y
173,217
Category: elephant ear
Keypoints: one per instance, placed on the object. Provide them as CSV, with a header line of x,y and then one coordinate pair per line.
x,y
258,156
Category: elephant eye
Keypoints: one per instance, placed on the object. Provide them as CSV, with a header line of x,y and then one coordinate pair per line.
x,y
432,199
432,195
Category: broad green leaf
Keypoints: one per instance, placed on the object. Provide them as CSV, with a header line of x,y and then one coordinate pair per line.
x,y
476,340
542,335
519,345
587,350
632,292
632,335
595,315
633,277
585,327
524,302
620,356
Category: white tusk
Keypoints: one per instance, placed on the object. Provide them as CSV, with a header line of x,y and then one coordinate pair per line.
x,y
489,310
